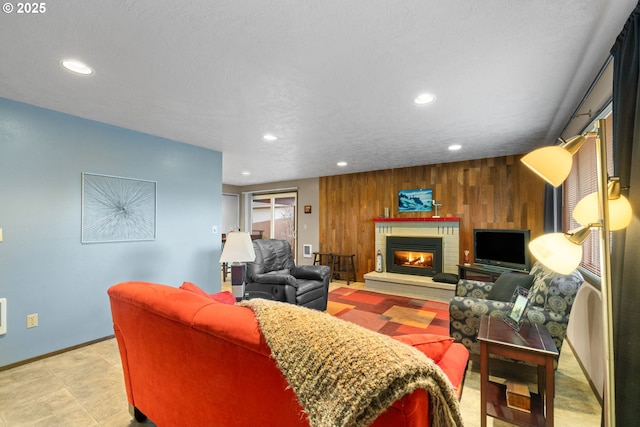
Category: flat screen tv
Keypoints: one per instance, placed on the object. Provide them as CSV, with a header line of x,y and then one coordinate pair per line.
x,y
502,248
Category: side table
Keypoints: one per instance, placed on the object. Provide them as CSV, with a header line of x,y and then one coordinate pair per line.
x,y
532,344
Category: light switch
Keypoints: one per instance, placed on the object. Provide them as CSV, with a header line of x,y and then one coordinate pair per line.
x,y
3,316
0,235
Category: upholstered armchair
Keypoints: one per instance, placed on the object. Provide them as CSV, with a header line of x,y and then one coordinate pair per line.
x,y
274,275
551,297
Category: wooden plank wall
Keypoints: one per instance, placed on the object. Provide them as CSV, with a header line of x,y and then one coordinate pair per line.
x,y
488,193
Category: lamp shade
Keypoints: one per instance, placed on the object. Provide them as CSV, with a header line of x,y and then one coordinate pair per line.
x,y
552,163
238,248
620,212
556,252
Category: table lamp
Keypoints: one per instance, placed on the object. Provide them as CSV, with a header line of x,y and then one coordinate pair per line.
x,y
237,250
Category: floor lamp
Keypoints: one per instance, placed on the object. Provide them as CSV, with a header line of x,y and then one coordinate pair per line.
x,y
605,210
238,249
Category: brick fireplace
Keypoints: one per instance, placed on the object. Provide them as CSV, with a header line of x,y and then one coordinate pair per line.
x,y
408,281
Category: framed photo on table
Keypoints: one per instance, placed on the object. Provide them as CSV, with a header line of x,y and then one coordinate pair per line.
x,y
519,303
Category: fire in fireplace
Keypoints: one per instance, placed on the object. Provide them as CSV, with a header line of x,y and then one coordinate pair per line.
x,y
413,259
421,256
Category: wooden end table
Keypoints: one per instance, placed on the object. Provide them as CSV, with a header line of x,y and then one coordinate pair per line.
x,y
531,344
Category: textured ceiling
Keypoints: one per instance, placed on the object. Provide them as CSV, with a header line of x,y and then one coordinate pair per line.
x,y
333,79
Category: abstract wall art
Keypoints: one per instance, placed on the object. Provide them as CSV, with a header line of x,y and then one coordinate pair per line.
x,y
116,209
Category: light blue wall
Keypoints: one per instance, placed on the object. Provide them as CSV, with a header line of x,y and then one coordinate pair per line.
x,y
44,267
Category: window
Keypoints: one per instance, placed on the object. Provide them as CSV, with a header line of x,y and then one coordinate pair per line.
x,y
583,181
274,216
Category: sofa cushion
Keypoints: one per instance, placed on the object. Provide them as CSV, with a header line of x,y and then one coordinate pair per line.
x,y
454,365
224,297
192,287
562,293
552,291
433,346
542,277
504,286
446,278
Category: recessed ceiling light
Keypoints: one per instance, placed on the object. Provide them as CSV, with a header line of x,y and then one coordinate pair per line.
x,y
77,67
425,98
245,173
342,164
455,147
269,137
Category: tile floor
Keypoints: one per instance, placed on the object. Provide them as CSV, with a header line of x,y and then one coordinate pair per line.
x,y
85,387
82,387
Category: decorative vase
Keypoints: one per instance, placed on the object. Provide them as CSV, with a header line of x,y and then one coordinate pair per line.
x,y
466,257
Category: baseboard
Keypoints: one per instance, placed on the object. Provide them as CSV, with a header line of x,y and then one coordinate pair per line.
x,y
584,371
54,353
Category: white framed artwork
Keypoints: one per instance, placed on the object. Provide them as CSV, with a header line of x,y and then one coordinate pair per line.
x,y
116,209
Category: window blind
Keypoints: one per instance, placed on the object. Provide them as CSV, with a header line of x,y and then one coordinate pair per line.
x,y
583,181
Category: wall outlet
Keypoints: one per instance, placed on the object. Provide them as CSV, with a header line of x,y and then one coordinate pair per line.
x,y
32,320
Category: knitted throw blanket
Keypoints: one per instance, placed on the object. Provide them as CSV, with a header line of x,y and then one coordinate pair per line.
x,y
344,374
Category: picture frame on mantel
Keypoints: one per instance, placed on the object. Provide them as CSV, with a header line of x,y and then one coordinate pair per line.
x,y
420,200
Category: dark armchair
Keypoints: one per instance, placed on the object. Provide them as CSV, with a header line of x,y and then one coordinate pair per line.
x,y
274,275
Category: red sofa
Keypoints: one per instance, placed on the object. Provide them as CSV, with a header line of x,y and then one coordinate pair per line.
x,y
190,360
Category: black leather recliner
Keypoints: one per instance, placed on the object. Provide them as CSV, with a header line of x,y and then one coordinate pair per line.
x,y
274,275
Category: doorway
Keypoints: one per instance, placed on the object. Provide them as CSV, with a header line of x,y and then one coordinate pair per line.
x,y
230,213
274,216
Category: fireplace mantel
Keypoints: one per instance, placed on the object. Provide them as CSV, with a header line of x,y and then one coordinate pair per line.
x,y
429,219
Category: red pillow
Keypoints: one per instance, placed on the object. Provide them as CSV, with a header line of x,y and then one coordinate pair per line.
x,y
224,297
433,346
188,286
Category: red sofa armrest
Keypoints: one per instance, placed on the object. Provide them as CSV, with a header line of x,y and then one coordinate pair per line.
x,y
454,364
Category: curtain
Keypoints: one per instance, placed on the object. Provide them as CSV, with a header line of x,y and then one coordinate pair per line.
x,y
625,253
552,209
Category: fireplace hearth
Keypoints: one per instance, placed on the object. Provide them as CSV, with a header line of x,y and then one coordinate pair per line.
x,y
420,256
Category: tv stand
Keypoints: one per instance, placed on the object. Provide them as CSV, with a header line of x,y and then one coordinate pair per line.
x,y
479,272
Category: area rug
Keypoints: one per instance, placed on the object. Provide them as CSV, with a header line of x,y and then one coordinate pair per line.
x,y
389,314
